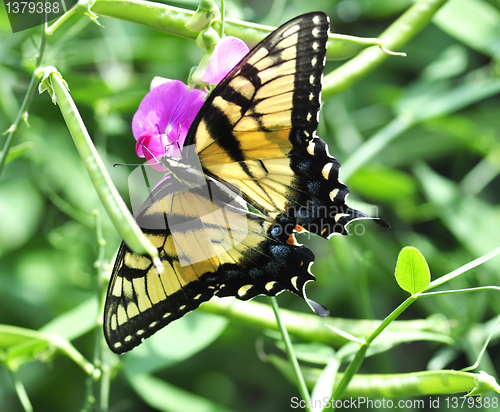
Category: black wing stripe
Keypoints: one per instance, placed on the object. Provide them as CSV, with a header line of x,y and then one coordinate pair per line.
x,y
256,131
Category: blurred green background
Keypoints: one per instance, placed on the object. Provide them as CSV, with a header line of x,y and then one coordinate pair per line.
x,y
437,183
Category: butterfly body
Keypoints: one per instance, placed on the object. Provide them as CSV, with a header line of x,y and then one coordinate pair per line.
x,y
253,142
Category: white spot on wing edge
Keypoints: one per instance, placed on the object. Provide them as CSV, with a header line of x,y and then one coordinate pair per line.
x,y
333,194
339,216
326,170
244,289
270,285
310,147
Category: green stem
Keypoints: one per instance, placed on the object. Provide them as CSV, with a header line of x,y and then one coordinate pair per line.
x,y
394,37
58,23
105,386
23,111
308,327
456,291
397,385
21,392
59,342
360,355
464,268
483,349
172,20
101,379
100,349
355,364
111,199
222,17
304,393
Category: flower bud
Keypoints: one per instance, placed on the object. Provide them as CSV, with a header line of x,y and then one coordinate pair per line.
x,y
206,12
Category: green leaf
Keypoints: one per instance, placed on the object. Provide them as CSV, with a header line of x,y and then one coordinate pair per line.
x,y
21,345
346,335
165,397
175,343
21,210
326,381
17,151
390,339
428,100
315,352
76,322
473,22
46,81
412,272
470,219
382,184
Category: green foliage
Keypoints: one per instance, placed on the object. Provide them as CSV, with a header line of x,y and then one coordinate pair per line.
x,y
417,136
412,272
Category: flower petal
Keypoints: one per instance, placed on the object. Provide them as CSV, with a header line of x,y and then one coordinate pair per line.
x,y
227,53
185,114
157,107
151,147
163,119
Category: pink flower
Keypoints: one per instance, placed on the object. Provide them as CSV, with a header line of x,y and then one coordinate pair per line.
x,y
163,119
228,52
166,113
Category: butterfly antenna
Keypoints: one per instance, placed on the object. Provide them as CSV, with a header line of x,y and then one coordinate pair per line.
x,y
177,140
151,153
176,143
127,164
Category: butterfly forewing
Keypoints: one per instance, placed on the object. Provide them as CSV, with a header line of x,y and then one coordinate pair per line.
x,y
255,138
258,132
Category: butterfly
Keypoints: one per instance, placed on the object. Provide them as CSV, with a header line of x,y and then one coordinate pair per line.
x,y
252,175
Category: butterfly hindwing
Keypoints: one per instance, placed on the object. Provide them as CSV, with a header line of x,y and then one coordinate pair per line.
x,y
256,143
215,246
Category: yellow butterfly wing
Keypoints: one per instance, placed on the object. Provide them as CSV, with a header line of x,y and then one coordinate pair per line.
x,y
257,132
255,138
211,245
